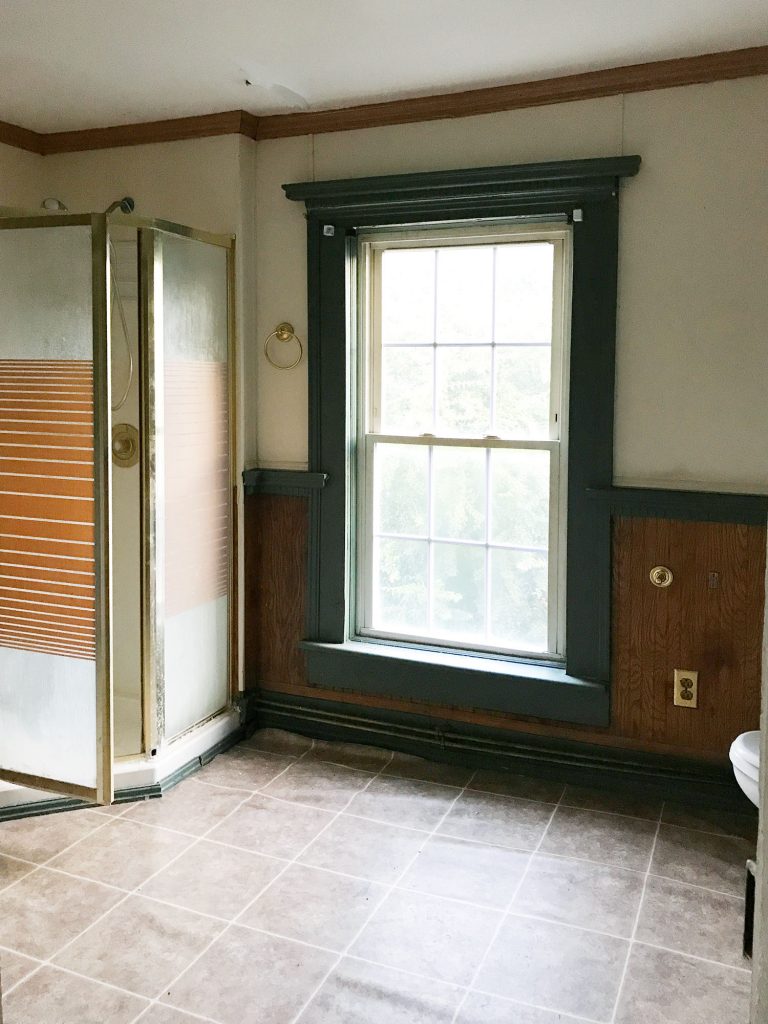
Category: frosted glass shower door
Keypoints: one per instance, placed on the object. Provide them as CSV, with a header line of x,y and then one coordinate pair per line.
x,y
193,510
55,725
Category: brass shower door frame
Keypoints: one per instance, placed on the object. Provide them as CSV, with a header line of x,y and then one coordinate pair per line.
x,y
150,233
103,791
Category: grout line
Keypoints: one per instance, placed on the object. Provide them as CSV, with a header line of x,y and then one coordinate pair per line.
x,y
506,912
389,890
293,860
630,946
692,956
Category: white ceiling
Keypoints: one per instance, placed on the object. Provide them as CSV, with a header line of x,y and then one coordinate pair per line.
x,y
68,64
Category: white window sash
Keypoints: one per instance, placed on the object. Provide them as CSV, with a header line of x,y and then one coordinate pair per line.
x,y
369,416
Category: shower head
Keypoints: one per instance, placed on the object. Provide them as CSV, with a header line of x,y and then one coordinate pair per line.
x,y
124,205
53,205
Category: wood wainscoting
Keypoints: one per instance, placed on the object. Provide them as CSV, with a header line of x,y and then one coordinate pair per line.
x,y
712,624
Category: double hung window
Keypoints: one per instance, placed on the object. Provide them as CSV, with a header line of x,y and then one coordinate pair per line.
x,y
461,445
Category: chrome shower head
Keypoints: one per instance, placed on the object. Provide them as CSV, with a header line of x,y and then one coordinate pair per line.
x,y
124,205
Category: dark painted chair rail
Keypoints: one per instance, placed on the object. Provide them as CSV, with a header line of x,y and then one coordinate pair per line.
x,y
692,506
292,482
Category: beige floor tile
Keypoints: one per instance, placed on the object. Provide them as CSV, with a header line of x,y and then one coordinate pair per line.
x,y
556,967
12,870
244,970
482,1009
319,784
158,1014
244,768
41,837
705,819
509,784
368,849
428,935
352,755
277,741
213,879
692,920
715,862
45,910
404,802
123,853
140,946
612,803
575,892
665,988
56,997
461,870
607,838
14,967
274,827
189,807
406,766
502,820
369,994
315,906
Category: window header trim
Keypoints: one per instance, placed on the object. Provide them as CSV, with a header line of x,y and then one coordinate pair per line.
x,y
570,180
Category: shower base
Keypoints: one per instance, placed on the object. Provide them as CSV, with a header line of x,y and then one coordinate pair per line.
x,y
137,777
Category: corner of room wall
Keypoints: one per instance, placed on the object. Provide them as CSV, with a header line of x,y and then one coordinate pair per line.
x,y
21,178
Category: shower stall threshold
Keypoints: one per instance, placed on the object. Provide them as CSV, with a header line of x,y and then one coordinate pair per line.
x,y
141,777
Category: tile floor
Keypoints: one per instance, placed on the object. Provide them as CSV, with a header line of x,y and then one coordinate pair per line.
x,y
298,883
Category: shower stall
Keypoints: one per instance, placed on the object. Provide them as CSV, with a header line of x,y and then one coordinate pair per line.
x,y
118,652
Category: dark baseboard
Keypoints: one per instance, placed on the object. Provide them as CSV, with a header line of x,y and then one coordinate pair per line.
x,y
123,796
451,742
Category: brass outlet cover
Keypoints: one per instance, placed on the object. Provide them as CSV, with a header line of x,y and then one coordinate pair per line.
x,y
686,688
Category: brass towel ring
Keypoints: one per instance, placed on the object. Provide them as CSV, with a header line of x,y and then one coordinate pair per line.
x,y
284,332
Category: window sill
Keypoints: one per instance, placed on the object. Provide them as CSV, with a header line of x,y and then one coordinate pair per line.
x,y
459,680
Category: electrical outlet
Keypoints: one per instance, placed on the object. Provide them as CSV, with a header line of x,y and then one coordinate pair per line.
x,y
686,688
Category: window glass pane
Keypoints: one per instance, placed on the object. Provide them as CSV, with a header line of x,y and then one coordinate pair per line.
x,y
458,481
465,295
524,292
406,390
458,582
401,571
464,391
521,392
408,296
519,599
401,474
520,498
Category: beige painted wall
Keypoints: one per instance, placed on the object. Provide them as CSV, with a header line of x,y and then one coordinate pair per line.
x,y
21,178
692,345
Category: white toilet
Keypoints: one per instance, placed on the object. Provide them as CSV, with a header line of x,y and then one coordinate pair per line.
x,y
745,758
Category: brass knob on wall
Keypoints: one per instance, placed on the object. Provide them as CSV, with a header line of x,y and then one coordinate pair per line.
x,y
125,445
661,576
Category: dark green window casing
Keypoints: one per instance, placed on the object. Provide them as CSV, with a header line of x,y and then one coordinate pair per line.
x,y
586,192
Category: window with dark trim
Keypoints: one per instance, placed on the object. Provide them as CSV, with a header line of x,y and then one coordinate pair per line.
x,y
582,194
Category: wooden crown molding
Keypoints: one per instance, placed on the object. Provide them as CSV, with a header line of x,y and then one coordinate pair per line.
x,y
661,74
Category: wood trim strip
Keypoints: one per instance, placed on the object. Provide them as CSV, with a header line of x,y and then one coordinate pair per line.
x,y
228,122
661,74
21,138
